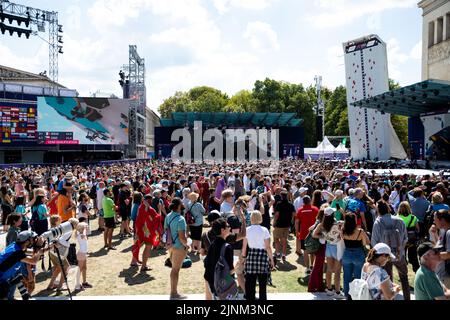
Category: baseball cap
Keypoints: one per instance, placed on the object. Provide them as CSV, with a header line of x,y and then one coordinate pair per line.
x,y
25,235
424,248
329,211
127,183
213,215
303,190
383,248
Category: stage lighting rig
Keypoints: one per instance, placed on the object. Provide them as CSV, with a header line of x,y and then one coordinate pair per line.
x,y
19,14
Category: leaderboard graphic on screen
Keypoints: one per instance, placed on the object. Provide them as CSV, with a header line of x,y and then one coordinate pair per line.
x,y
18,124
67,120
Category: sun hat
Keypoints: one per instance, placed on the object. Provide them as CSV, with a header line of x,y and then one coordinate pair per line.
x,y
329,211
193,195
383,248
69,176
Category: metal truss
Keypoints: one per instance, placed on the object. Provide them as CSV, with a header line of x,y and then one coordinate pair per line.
x,y
137,96
38,18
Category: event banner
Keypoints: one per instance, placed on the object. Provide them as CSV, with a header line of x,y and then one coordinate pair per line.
x,y
68,120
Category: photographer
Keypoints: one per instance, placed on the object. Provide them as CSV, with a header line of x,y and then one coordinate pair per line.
x,y
13,256
63,246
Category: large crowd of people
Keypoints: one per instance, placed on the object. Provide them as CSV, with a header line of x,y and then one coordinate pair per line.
x,y
238,218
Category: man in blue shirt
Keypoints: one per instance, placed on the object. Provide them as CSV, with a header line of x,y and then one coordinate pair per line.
x,y
11,259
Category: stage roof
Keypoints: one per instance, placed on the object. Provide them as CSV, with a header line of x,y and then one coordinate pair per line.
x,y
232,119
423,98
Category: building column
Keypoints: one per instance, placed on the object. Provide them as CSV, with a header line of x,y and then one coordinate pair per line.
x,y
435,31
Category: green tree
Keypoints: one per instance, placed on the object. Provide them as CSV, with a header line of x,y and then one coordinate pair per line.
x,y
242,101
179,102
336,119
400,123
268,96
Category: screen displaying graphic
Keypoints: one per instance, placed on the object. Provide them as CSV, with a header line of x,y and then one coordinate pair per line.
x,y
18,124
67,120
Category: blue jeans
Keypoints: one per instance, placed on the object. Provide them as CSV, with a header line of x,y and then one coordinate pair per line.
x,y
11,292
352,263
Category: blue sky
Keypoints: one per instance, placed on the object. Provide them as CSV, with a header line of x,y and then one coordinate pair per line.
x,y
227,44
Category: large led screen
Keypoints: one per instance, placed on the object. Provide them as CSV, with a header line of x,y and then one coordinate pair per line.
x,y
67,120
18,124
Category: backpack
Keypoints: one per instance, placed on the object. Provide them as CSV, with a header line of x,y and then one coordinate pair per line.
x,y
93,192
412,233
189,217
359,288
312,245
224,283
167,238
391,236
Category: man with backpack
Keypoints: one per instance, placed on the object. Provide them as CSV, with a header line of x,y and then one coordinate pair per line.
x,y
219,263
391,230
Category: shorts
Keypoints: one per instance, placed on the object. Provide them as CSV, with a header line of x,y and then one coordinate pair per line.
x,y
240,265
280,233
55,261
125,215
196,232
302,244
100,213
331,251
81,256
110,223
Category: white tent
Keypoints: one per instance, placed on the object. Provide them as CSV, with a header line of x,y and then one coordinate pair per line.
x,y
324,150
341,151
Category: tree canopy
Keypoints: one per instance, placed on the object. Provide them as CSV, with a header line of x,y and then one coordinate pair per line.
x,y
270,95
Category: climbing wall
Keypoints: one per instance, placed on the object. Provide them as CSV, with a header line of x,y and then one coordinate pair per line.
x,y
371,133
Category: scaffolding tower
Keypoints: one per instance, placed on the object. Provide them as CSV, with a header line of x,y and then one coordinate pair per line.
x,y
135,91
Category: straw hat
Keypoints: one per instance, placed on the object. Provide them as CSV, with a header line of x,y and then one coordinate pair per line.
x,y
193,196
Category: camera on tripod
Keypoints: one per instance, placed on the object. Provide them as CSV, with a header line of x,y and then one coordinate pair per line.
x,y
54,234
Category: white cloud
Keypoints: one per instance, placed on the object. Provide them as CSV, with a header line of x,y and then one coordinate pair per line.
x,y
374,21
261,36
224,6
416,51
334,13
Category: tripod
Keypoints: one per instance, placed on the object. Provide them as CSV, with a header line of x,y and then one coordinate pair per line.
x,y
63,271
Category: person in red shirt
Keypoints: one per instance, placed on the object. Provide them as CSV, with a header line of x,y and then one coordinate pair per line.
x,y
305,218
148,232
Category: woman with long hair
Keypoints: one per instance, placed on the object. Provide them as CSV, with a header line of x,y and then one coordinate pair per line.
x,y
39,216
315,283
330,230
355,240
380,284
7,205
317,199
